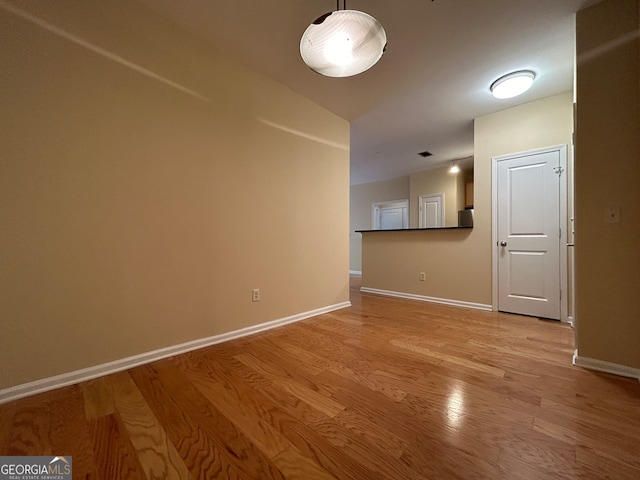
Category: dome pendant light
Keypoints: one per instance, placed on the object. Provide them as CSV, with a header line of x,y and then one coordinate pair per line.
x,y
343,43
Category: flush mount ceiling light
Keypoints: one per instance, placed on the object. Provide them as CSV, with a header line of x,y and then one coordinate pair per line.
x,y
513,84
343,43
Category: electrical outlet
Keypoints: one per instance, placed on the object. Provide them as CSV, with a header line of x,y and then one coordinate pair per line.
x,y
423,276
255,295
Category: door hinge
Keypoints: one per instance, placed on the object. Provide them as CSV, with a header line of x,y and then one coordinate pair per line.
x,y
558,170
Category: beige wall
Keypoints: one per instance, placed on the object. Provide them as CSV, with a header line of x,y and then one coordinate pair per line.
x,y
607,175
539,124
409,187
438,180
458,262
362,197
140,202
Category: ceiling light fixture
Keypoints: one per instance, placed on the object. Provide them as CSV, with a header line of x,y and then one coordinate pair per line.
x,y
513,84
343,43
454,168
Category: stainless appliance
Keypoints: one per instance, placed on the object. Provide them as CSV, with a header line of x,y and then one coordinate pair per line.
x,y
465,217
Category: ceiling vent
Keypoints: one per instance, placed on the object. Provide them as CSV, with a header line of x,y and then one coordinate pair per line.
x,y
425,154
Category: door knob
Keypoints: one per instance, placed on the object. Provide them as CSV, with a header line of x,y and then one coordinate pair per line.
x,y
503,244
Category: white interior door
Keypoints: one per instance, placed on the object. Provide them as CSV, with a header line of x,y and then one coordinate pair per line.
x,y
391,218
528,233
431,211
393,215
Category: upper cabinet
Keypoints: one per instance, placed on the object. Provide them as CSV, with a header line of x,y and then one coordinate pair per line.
x,y
468,194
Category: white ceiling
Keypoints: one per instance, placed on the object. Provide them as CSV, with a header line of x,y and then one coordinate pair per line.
x,y
430,84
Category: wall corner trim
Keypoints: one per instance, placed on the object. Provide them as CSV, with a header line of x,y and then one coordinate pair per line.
x,y
607,367
424,298
77,376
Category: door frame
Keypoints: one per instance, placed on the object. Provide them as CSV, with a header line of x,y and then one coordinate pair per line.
x,y
564,286
377,206
421,201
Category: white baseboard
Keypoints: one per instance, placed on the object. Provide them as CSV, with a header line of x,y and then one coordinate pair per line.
x,y
608,367
77,376
424,298
355,272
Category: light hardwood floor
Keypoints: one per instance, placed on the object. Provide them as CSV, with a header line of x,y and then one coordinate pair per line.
x,y
386,389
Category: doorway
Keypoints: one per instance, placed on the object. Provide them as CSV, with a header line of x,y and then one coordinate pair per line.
x,y
431,210
393,215
529,233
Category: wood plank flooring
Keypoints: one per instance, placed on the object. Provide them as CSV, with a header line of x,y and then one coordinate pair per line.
x,y
386,389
